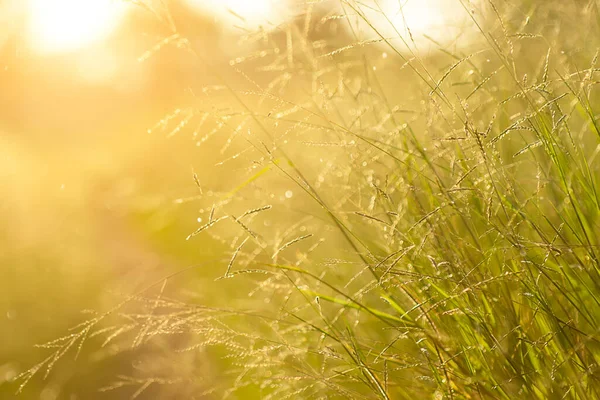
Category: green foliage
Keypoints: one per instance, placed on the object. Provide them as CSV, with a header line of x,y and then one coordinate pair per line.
x,y
414,225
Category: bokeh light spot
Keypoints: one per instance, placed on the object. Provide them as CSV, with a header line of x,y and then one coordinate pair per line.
x,y
68,25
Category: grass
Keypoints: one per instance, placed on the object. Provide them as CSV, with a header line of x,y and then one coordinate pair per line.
x,y
414,225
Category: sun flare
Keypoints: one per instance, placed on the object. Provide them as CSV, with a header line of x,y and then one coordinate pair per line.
x,y
68,25
419,16
241,12
415,21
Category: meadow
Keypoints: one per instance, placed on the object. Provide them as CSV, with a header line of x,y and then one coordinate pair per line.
x,y
330,206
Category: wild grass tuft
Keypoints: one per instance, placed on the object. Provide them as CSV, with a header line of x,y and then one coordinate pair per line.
x,y
401,224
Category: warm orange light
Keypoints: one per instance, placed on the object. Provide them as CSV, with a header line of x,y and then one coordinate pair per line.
x,y
68,25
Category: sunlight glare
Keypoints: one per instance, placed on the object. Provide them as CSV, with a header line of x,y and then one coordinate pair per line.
x,y
69,25
245,13
419,16
414,20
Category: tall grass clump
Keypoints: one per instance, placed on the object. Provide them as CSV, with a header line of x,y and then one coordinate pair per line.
x,y
400,223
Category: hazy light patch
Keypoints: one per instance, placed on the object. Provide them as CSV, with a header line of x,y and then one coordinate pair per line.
x,y
243,13
67,25
420,16
99,67
10,15
415,20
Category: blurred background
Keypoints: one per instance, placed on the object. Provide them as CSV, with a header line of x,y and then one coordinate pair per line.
x,y
97,157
